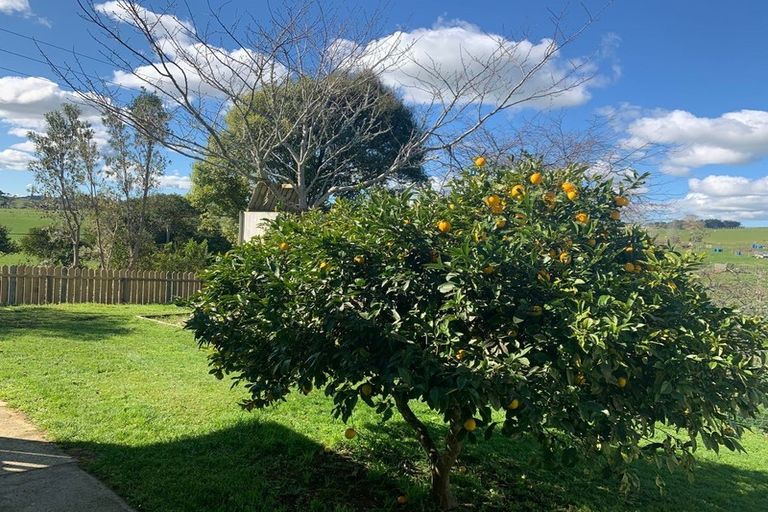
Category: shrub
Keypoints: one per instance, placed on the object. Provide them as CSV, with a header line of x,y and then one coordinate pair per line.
x,y
508,307
188,257
7,245
49,244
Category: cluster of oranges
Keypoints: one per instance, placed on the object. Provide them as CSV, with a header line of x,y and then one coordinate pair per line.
x,y
497,206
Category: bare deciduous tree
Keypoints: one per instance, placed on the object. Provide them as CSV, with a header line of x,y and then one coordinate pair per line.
x,y
309,47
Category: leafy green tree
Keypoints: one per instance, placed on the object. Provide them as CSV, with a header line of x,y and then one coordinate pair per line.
x,y
49,244
59,169
7,245
351,135
135,161
518,303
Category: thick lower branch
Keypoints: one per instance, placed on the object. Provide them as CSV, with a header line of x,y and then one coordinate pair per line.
x,y
421,429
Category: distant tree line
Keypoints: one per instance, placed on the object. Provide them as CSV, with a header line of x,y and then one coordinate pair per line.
x,y
706,223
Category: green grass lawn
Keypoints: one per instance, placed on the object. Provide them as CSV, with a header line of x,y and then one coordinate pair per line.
x,y
132,399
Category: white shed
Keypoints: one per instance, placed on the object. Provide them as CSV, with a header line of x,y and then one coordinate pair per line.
x,y
264,206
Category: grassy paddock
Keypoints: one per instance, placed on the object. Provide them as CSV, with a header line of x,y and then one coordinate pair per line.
x,y
19,221
132,399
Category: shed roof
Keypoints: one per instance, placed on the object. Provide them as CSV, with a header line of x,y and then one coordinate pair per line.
x,y
263,199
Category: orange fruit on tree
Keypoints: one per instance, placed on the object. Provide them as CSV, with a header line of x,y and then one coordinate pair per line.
x,y
616,215
629,266
489,269
565,258
621,382
621,201
491,200
366,389
359,259
283,246
572,195
535,178
514,404
568,187
500,223
591,242
444,226
517,192
470,425
350,433
461,355
543,275
324,265
402,500
581,218
536,310
479,161
579,379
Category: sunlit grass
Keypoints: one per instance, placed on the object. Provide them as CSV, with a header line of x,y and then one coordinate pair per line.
x,y
133,400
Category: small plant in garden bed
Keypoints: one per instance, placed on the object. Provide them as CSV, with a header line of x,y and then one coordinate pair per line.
x,y
517,303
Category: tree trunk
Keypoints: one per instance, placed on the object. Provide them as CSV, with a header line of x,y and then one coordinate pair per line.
x,y
76,250
440,464
441,487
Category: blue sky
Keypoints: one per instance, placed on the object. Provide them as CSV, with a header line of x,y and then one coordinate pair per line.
x,y
686,75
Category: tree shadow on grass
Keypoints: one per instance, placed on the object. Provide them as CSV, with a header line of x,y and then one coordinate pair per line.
x,y
508,475
47,322
253,466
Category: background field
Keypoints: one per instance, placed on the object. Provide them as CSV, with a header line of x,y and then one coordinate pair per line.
x,y
19,221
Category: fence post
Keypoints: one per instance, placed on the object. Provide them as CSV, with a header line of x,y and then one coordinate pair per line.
x,y
12,285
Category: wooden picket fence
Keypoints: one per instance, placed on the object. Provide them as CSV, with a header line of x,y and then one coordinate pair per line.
x,y
54,285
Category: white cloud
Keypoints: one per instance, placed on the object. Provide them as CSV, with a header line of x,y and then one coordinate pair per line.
x,y
732,138
202,68
434,63
21,7
14,160
15,7
175,180
407,61
727,197
24,101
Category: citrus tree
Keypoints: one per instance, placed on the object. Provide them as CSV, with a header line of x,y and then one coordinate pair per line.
x,y
517,303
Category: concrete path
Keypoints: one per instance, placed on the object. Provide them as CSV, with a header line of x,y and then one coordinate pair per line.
x,y
35,476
